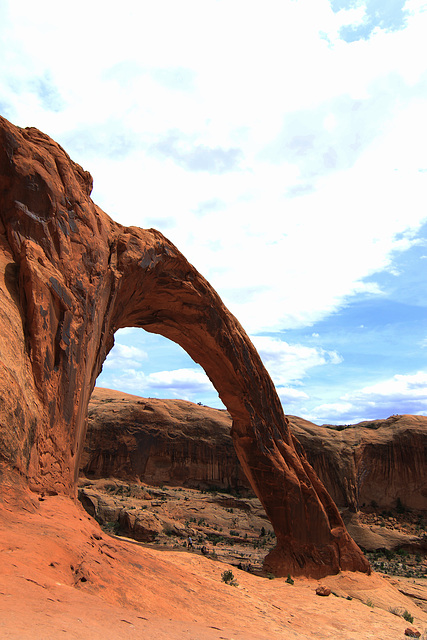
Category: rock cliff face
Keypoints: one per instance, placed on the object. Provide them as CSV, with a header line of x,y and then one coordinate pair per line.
x,y
178,442
160,442
378,461
70,277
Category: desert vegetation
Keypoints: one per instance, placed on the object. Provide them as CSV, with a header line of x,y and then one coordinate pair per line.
x,y
229,527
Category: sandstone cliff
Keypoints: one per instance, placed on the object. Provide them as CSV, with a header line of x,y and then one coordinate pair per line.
x,y
178,442
160,442
383,462
69,278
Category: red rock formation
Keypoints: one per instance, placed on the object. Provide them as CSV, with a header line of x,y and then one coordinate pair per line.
x,y
70,278
178,442
160,442
377,461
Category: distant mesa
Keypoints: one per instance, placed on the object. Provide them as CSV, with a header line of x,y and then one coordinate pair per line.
x,y
70,277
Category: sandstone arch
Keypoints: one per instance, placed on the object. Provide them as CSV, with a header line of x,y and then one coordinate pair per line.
x,y
70,278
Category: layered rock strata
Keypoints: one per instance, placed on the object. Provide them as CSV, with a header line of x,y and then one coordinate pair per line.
x,y
160,442
70,277
380,462
377,462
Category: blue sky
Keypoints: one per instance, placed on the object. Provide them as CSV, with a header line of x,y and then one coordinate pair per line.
x,y
282,147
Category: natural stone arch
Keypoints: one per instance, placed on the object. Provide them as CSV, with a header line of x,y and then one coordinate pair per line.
x,y
72,277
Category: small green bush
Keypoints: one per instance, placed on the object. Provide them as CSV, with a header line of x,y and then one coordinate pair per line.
x,y
289,579
228,577
398,611
407,616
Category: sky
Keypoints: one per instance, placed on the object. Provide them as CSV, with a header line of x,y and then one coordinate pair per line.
x,y
281,146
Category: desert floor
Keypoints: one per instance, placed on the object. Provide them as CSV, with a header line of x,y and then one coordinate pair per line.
x,y
63,576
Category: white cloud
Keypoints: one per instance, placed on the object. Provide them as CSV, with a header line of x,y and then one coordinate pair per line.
x,y
188,384
403,387
402,394
179,379
289,363
332,411
291,397
123,355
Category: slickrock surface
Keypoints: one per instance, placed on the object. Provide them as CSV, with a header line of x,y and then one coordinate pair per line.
x,y
63,577
178,442
69,278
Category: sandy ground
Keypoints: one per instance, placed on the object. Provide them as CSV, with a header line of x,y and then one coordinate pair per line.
x,y
61,576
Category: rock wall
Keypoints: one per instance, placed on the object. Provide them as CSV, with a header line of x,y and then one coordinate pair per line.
x,y
160,442
379,461
181,443
70,278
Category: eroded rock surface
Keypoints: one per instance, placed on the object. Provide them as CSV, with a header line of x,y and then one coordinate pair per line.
x,y
380,462
160,442
70,277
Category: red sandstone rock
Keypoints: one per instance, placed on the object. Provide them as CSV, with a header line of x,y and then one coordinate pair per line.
x,y
412,633
323,591
379,461
159,442
70,277
181,443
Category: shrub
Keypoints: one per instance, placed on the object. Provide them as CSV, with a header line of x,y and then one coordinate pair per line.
x,y
399,506
111,527
289,579
407,616
214,538
398,611
228,577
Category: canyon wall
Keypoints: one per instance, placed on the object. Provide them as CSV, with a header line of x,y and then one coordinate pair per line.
x,y
181,443
160,442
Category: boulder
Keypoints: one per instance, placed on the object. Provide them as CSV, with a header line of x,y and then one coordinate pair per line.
x,y
69,278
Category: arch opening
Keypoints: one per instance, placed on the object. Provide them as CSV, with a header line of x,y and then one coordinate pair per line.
x,y
149,365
